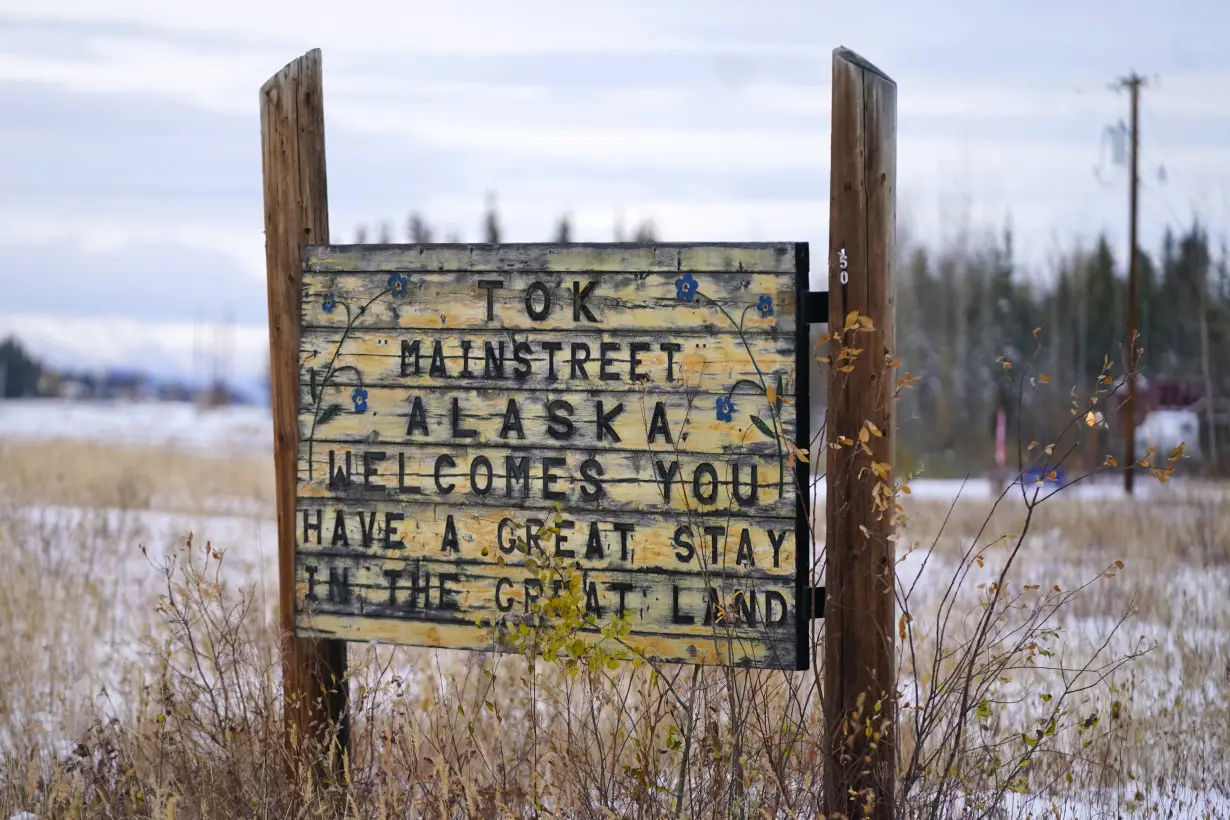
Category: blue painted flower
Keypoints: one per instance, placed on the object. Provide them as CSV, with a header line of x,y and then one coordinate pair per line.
x,y
359,397
398,283
765,306
725,408
685,288
328,303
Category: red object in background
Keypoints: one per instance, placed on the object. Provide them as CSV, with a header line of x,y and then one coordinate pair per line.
x,y
1166,394
1172,393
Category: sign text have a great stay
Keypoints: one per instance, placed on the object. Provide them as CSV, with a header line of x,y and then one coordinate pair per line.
x,y
640,399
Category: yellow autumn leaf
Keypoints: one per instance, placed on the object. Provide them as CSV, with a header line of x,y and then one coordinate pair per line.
x,y
864,435
770,393
875,431
1044,377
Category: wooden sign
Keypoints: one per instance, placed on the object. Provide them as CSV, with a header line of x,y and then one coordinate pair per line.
x,y
641,401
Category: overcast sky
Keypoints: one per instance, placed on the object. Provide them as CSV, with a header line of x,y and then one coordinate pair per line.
x,y
130,187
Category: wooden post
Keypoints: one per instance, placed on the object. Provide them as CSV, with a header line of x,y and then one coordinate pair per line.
x,y
860,652
296,214
1132,361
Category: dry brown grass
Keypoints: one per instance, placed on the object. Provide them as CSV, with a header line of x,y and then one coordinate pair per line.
x,y
134,691
78,473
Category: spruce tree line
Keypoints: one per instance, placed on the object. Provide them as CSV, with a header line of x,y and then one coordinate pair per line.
x,y
966,308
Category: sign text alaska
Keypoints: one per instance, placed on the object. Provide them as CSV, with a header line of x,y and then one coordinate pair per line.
x,y
641,400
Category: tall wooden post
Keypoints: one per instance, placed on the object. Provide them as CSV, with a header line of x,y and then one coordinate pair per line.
x,y
296,214
1131,360
860,653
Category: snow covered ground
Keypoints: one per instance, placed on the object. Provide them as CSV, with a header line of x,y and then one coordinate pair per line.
x,y
96,589
224,430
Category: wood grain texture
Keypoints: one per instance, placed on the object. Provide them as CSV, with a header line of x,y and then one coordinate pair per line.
x,y
703,361
720,646
859,627
537,478
617,300
662,257
296,214
449,395
426,593
657,421
750,547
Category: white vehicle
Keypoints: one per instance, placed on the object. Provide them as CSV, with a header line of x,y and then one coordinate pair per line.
x,y
1163,430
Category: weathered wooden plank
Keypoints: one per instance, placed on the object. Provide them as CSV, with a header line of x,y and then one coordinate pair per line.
x,y
437,591
452,395
721,303
292,132
716,257
531,360
663,647
536,478
659,422
755,615
600,540
860,627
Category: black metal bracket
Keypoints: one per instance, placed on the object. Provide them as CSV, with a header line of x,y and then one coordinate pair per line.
x,y
816,307
817,602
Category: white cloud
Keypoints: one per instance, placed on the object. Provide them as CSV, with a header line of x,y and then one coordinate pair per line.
x,y
598,108
164,348
98,233
135,67
440,29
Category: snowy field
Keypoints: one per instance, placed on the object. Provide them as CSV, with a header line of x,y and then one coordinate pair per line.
x,y
80,586
223,430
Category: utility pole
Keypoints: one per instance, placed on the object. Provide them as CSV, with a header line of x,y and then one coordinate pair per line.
x,y
860,640
1133,83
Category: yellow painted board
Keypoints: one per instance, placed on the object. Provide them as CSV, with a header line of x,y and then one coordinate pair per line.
x,y
533,360
659,421
643,397
751,547
720,648
688,612
536,478
658,257
722,302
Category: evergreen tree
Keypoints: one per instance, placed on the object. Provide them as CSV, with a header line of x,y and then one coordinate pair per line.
x,y
417,230
19,371
645,232
563,230
491,222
